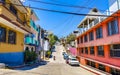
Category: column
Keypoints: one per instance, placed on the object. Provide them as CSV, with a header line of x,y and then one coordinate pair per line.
x,y
88,23
107,69
95,49
96,65
106,51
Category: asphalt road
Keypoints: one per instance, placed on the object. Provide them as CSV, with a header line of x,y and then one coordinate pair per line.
x,y
57,67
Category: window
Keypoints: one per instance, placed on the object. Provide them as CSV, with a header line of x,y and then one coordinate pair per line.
x,y
90,63
85,38
2,34
78,41
101,67
3,1
91,36
82,50
99,32
81,39
100,50
13,9
115,71
112,27
115,50
86,50
91,50
11,37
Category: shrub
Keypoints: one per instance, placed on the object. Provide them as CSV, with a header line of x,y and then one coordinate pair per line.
x,y
30,56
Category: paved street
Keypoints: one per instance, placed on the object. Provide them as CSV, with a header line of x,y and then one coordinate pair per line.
x,y
57,67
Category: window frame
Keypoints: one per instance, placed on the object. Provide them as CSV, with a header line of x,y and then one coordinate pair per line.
x,y
82,50
81,40
100,50
86,38
99,32
86,50
92,51
4,32
110,26
114,71
91,36
114,52
12,39
102,67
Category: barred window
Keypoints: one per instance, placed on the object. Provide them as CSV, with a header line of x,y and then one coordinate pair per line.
x,y
2,34
11,37
112,27
91,36
92,50
100,50
99,33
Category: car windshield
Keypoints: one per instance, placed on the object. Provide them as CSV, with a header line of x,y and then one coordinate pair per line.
x,y
74,59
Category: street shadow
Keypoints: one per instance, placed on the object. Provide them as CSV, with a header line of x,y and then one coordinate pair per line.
x,y
32,66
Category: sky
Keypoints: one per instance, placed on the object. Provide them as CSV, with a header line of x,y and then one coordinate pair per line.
x,y
63,24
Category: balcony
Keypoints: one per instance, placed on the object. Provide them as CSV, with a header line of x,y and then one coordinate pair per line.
x,y
28,40
32,23
37,43
13,18
92,24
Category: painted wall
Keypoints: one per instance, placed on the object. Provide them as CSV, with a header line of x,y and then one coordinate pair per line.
x,y
105,41
18,47
12,58
73,51
12,53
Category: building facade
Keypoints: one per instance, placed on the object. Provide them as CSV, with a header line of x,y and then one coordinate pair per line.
x,y
31,40
14,24
98,45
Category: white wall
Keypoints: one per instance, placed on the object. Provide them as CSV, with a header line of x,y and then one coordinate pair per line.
x,y
114,5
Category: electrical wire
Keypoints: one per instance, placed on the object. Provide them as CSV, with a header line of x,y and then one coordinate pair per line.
x,y
66,5
64,12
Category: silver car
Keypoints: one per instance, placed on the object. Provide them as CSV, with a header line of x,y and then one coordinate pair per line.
x,y
73,61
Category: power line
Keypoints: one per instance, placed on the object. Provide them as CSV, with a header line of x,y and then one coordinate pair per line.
x,y
66,5
64,12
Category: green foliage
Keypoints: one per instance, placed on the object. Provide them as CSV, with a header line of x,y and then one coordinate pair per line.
x,y
52,39
70,38
30,56
48,53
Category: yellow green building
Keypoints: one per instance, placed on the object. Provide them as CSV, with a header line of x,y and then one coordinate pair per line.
x,y
14,25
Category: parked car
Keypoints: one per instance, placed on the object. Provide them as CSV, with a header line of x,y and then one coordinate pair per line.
x,y
73,61
65,56
63,53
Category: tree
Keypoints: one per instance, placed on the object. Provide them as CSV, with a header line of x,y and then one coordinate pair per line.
x,y
52,39
70,38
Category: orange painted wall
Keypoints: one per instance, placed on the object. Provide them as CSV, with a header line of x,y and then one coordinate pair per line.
x,y
105,41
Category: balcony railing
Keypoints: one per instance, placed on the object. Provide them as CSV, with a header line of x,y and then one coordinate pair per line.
x,y
93,23
28,40
33,24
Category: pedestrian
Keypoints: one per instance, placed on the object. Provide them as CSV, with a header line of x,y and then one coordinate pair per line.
x,y
53,57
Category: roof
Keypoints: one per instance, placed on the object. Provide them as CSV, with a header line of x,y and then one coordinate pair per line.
x,y
93,11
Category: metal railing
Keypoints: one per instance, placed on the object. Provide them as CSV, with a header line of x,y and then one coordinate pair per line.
x,y
92,24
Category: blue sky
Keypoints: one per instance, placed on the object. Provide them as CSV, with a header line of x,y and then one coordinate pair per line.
x,y
63,24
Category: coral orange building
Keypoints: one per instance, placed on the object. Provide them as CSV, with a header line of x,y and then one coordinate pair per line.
x,y
98,44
